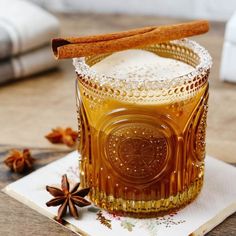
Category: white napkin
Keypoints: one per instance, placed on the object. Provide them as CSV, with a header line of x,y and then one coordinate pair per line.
x,y
26,64
228,60
216,201
228,68
24,26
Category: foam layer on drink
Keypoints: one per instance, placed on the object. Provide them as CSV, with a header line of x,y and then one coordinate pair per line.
x,y
140,64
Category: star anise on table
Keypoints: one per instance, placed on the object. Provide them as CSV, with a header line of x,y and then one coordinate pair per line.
x,y
65,136
67,198
19,161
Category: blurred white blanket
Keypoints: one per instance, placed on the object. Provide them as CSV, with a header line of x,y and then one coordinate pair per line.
x,y
26,64
24,26
228,68
26,31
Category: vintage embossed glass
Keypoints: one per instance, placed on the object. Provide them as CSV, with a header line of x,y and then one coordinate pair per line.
x,y
142,142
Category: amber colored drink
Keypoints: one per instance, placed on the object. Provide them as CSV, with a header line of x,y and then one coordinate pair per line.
x,y
143,144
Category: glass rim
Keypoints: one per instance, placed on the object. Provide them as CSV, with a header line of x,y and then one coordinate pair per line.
x,y
205,62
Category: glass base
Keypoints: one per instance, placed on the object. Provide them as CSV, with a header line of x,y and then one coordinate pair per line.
x,y
146,209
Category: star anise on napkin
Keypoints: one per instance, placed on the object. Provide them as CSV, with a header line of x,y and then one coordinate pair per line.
x,y
66,197
59,135
19,161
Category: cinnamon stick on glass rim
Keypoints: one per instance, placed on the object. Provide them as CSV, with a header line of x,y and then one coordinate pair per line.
x,y
135,38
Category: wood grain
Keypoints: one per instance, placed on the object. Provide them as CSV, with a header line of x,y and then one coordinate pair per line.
x,y
30,108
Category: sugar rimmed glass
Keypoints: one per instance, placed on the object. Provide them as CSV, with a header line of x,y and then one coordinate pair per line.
x,y
142,141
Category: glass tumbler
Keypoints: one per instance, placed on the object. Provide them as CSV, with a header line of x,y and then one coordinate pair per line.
x,y
142,141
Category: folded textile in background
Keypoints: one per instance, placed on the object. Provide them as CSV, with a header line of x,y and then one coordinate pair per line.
x,y
25,33
228,68
26,64
24,26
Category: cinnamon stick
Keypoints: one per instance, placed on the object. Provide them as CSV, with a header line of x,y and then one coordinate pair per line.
x,y
136,38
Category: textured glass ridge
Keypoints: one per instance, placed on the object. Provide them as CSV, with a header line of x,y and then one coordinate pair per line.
x,y
137,89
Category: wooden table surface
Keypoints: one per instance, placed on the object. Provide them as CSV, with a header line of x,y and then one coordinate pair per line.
x,y
30,108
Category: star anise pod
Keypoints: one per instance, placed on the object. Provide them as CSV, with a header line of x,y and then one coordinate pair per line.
x,y
19,161
59,135
66,197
